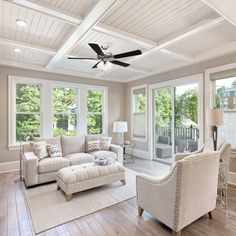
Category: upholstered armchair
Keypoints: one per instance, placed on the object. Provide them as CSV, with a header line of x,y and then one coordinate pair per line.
x,y
188,192
222,147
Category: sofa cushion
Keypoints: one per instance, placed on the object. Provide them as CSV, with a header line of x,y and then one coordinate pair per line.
x,y
52,164
39,149
91,137
72,144
80,158
104,154
55,140
105,143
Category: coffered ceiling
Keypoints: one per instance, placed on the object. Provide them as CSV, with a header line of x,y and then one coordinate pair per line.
x,y
170,34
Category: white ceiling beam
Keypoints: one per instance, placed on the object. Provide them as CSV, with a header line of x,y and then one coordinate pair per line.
x,y
13,43
28,66
48,51
99,10
224,8
195,29
48,10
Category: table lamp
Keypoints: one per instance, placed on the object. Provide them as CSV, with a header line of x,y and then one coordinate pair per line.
x,y
120,127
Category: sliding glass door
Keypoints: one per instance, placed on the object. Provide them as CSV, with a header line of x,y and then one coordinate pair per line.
x,y
176,118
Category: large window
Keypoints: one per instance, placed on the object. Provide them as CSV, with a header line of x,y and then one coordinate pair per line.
x,y
225,98
27,117
139,116
64,111
94,112
50,108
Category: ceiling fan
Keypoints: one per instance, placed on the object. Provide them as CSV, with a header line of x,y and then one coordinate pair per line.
x,y
104,59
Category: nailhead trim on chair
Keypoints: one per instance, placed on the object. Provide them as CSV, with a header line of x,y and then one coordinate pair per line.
x,y
177,198
178,168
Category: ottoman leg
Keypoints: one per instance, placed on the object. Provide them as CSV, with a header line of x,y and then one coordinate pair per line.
x,y
58,187
123,181
68,197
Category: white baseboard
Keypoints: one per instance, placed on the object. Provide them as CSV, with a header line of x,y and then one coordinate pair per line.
x,y
232,178
139,153
9,166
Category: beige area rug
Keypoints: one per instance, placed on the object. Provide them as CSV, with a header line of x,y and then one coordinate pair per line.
x,y
48,207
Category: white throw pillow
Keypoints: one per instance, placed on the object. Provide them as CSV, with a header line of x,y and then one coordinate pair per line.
x,y
54,150
105,143
93,145
39,149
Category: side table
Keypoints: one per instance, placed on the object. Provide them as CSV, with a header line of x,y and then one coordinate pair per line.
x,y
128,156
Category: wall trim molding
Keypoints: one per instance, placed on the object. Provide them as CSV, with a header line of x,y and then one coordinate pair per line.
x,y
139,153
232,178
9,166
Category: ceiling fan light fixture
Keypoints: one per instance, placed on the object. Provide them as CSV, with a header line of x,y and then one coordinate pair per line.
x,y
105,66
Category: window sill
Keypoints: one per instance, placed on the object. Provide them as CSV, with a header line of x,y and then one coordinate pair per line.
x,y
13,147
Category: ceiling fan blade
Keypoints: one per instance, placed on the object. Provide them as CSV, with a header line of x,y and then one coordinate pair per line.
x,y
120,63
97,49
128,54
95,66
83,58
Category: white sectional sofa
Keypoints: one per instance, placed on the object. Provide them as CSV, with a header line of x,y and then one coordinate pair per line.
x,y
37,171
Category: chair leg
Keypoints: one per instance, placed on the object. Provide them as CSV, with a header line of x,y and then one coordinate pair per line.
x,y
176,233
140,211
210,215
123,181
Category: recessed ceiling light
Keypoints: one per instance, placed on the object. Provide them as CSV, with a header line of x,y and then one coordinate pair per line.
x,y
17,50
21,23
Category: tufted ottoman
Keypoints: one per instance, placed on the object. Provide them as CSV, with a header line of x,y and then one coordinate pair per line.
x,y
77,178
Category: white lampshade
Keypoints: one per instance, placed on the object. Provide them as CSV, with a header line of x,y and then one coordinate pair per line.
x,y
215,117
120,126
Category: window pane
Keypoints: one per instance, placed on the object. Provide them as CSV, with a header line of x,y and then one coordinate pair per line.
x,y
140,102
27,98
94,124
94,101
225,98
64,100
27,126
64,125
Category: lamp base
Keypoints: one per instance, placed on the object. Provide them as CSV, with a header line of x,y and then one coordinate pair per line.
x,y
214,137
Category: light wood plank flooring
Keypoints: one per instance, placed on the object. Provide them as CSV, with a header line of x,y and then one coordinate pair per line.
x,y
120,219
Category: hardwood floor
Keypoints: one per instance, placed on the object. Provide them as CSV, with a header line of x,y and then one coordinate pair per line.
x,y
121,219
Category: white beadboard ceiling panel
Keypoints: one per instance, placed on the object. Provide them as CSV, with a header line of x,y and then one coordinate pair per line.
x,y
25,56
219,35
42,30
115,45
84,66
157,19
155,61
78,7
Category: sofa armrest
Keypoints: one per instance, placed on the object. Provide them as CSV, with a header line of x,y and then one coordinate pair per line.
x,y
119,152
30,168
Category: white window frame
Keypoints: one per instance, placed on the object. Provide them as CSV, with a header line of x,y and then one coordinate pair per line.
x,y
46,109
196,78
68,113
139,139
104,112
209,90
